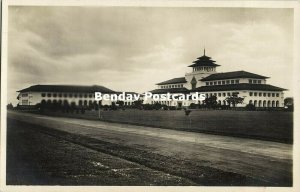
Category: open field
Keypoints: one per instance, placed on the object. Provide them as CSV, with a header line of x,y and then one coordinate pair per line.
x,y
266,125
68,151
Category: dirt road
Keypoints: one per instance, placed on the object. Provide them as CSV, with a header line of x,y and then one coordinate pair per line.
x,y
187,158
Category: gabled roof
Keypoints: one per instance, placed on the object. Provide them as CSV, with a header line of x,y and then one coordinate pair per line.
x,y
67,88
173,81
171,90
242,86
232,75
204,61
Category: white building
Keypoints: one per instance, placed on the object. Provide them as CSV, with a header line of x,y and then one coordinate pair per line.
x,y
62,94
204,79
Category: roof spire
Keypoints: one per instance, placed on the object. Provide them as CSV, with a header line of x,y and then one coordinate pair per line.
x,y
204,51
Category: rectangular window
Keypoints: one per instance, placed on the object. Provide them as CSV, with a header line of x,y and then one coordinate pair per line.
x,y
54,94
277,94
228,94
250,81
237,81
210,83
227,82
273,94
259,94
219,82
259,81
215,82
223,82
219,94
269,94
224,94
250,93
24,95
43,94
24,102
232,81
254,81
264,94
255,94
48,94
207,83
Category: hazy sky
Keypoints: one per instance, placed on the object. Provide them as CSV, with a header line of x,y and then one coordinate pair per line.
x,y
133,48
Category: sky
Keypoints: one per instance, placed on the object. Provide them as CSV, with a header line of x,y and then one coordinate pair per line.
x,y
133,48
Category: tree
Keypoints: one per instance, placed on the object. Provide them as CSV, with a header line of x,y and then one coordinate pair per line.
x,y
289,103
120,103
234,99
211,101
138,103
9,106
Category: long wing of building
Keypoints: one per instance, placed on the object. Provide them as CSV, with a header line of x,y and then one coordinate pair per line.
x,y
203,78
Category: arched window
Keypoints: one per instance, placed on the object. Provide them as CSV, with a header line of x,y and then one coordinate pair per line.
x,y
259,103
277,103
85,102
264,103
80,103
273,103
224,102
250,102
255,103
66,102
269,103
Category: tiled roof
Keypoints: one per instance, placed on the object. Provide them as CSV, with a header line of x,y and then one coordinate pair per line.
x,y
232,75
171,90
67,88
204,61
242,86
173,81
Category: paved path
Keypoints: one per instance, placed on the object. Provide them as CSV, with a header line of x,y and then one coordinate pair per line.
x,y
264,160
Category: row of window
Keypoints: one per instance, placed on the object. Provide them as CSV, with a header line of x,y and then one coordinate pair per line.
x,y
254,81
224,82
172,86
80,102
204,69
264,103
67,95
221,94
255,94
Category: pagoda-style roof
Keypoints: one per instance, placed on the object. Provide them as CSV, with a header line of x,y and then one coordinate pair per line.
x,y
204,61
173,81
233,75
67,88
241,86
170,90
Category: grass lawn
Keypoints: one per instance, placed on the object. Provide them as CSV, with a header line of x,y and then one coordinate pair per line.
x,y
267,125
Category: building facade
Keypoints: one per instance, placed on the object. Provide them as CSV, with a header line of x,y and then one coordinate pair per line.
x,y
203,78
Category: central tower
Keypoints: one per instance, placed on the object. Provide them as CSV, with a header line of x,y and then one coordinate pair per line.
x,y
202,67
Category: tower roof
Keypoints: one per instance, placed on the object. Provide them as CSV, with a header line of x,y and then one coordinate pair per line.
x,y
204,61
